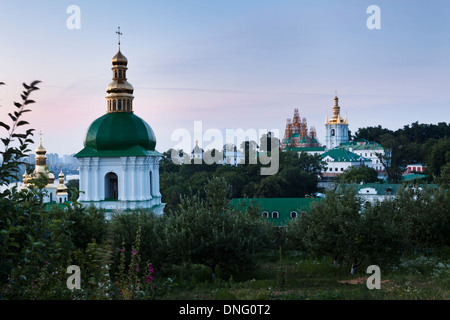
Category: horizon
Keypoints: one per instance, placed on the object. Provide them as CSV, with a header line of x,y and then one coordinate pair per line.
x,y
245,65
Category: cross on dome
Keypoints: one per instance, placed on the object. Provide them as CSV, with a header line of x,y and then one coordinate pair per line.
x,y
119,34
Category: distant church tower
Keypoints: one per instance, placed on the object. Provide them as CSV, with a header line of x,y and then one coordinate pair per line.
x,y
336,128
119,166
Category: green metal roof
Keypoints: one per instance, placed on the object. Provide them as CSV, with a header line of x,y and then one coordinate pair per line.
x,y
381,188
306,149
413,176
343,155
118,134
362,145
284,206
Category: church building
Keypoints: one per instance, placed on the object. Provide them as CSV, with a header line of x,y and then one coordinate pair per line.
x,y
336,128
119,165
52,193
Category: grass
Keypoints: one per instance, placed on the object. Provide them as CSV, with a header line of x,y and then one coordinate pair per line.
x,y
297,277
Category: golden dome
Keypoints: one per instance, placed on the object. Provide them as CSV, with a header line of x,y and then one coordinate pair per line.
x,y
119,59
40,148
120,86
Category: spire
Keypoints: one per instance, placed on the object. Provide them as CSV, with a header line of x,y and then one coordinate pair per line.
x,y
41,158
120,91
336,118
119,34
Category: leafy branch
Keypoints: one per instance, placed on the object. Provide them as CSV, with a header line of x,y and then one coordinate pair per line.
x,y
11,156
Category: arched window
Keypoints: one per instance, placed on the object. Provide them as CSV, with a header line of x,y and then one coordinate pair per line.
x,y
120,73
265,214
114,105
111,186
389,190
128,105
293,214
275,214
115,74
120,105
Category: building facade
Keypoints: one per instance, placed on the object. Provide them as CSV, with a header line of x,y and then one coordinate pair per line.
x,y
119,166
367,149
336,128
52,193
297,136
339,159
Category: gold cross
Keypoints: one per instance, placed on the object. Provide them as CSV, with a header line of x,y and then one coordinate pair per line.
x,y
119,34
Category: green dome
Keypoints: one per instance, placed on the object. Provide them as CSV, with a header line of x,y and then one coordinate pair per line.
x,y
118,134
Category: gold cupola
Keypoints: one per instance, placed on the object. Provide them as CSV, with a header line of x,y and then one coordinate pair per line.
x,y
120,91
336,118
41,159
61,188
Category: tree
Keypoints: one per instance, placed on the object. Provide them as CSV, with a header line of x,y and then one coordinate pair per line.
x,y
210,232
267,140
359,174
426,211
340,227
11,156
33,242
439,156
73,186
391,158
331,227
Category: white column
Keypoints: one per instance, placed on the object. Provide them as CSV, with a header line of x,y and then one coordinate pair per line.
x,y
124,180
88,182
153,177
97,182
140,179
82,179
157,193
132,176
146,175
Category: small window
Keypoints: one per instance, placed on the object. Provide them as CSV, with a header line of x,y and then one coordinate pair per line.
x,y
342,169
265,214
294,214
120,105
275,215
114,105
120,73
128,105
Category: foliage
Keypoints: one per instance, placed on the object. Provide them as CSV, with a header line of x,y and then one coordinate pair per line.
x,y
415,143
11,156
297,176
341,228
359,174
209,232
